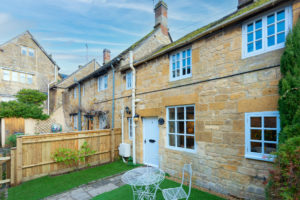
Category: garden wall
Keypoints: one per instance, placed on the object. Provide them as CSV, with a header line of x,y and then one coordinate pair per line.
x,y
32,158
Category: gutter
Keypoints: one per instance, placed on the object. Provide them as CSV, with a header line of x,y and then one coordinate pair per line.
x,y
212,29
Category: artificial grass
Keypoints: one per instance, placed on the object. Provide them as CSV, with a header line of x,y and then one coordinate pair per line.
x,y
49,185
125,193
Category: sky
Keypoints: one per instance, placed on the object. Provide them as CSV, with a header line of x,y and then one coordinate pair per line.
x,y
64,27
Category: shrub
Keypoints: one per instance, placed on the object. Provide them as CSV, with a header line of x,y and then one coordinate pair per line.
x,y
12,140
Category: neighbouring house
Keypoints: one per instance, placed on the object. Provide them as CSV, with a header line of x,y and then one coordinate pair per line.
x,y
209,98
24,64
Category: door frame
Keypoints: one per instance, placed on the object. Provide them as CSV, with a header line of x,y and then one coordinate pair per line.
x,y
144,146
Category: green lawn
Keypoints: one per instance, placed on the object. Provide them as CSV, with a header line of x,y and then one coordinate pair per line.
x,y
46,186
125,193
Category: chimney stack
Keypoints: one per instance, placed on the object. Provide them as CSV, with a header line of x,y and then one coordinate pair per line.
x,y
161,16
106,56
243,3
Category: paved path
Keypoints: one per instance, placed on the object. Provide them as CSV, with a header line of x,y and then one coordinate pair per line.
x,y
90,190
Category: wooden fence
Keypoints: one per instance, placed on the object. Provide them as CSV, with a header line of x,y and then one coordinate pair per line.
x,y
32,158
10,126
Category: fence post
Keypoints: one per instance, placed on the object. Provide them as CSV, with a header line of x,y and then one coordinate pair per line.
x,y
19,174
112,144
12,166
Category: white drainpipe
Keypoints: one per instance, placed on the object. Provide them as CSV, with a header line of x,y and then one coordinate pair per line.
x,y
122,114
49,88
133,106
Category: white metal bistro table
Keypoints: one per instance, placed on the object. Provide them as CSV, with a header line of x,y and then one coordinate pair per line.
x,y
144,182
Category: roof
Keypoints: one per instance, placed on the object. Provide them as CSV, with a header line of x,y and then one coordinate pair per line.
x,y
240,14
37,43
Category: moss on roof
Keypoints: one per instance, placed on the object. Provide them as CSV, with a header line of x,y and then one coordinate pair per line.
x,y
204,28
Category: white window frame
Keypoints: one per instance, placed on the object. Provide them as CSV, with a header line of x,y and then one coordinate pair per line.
x,y
128,80
102,83
31,51
288,26
181,76
6,75
75,93
129,127
22,78
6,99
185,134
75,121
24,49
260,156
15,76
29,79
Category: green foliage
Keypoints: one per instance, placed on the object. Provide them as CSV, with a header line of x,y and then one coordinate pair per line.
x,y
289,131
28,105
12,140
72,157
29,96
285,183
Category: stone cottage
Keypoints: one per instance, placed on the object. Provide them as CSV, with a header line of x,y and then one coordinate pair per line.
x,y
209,98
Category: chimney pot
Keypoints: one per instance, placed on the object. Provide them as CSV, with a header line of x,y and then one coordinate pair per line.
x,y
106,56
243,3
161,16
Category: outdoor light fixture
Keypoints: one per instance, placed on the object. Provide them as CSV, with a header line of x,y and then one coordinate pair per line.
x,y
136,117
127,110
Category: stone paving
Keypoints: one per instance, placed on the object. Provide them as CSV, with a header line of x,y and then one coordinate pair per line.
x,y
90,190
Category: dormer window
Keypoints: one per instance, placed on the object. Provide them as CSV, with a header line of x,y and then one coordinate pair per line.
x,y
31,52
24,51
181,64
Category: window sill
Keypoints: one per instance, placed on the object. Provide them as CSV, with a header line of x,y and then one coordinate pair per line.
x,y
180,78
266,158
193,151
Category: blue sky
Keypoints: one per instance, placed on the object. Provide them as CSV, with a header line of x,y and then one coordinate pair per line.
x,y
63,27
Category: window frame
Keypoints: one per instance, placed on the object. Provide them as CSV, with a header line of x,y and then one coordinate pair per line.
x,y
75,118
6,75
260,156
25,49
129,127
180,60
83,90
128,74
31,51
16,76
185,134
102,82
29,79
288,27
75,93
22,77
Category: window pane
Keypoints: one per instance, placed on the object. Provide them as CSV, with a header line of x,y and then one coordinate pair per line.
x,y
280,27
15,76
173,58
250,28
178,56
258,34
271,19
270,148
188,70
173,74
271,30
171,127
180,113
256,147
255,122
171,113
280,15
270,135
22,78
183,71
184,62
250,37
180,127
31,53
270,122
271,41
24,51
190,142
281,38
183,54
189,112
6,75
173,66
172,140
189,61
258,44
250,47
258,24
190,128
180,141
255,134
178,65
189,52
178,72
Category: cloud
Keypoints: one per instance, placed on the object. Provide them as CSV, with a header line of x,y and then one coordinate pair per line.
x,y
82,41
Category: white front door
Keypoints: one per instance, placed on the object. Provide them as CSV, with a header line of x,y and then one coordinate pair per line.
x,y
151,137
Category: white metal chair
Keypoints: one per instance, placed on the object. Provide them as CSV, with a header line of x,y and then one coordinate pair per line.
x,y
179,192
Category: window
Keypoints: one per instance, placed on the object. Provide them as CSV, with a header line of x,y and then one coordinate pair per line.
x,y
102,83
24,51
266,33
181,65
31,52
129,80
75,93
103,121
83,90
181,127
15,76
75,121
22,78
6,75
262,130
130,127
6,99
29,79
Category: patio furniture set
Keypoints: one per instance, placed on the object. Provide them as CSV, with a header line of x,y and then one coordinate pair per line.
x,y
145,181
